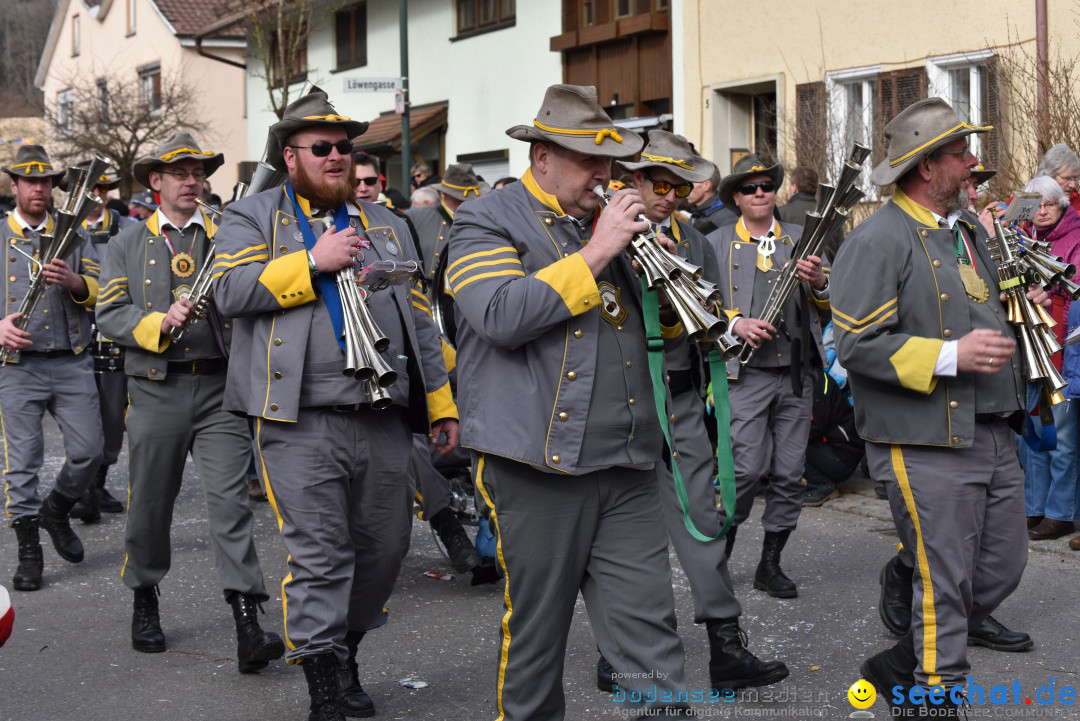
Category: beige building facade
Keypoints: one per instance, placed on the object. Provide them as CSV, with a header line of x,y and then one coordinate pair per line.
x,y
152,42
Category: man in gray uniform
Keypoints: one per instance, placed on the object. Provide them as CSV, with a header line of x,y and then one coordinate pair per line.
x,y
772,395
667,171
175,392
335,468
557,404
707,211
930,357
46,369
102,224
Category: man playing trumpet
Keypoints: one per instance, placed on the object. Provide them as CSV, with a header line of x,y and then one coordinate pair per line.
x,y
175,401
335,468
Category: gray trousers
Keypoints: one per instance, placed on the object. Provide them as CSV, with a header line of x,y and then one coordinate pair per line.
x,y
705,564
961,513
770,427
432,487
112,393
598,534
168,419
63,386
341,484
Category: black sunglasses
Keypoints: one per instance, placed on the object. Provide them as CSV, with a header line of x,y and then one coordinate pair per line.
x,y
663,187
370,182
321,148
767,186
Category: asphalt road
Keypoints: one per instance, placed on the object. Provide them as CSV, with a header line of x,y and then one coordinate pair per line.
x,y
70,656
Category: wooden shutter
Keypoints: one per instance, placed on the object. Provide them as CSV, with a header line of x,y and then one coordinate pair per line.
x,y
896,90
991,142
811,126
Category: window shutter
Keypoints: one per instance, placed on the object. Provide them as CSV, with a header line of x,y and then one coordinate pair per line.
x,y
991,142
811,135
896,90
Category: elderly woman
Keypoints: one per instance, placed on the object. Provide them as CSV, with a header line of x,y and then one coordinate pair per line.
x,y
1063,165
1052,486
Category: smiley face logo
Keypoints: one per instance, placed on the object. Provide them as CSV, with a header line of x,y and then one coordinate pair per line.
x,y
862,694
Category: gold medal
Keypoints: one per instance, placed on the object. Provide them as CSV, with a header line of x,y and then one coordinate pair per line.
x,y
183,265
974,286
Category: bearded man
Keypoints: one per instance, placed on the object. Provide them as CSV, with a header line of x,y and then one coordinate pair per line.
x,y
336,469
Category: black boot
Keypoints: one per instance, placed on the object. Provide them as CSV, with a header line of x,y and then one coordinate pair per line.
x,y
768,577
351,698
28,575
321,672
731,665
106,502
146,635
255,648
894,667
54,519
993,634
729,540
88,508
460,550
605,675
894,606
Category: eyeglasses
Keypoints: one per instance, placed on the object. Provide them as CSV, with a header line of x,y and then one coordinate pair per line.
x,y
663,187
321,148
959,153
767,186
1047,205
370,182
1067,178
183,175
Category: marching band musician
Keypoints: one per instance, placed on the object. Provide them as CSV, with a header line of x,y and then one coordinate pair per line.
x,y
548,306
771,397
47,368
930,357
101,225
336,469
176,391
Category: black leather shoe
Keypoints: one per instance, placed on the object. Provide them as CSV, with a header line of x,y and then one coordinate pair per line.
x,y
351,697
816,496
321,673
769,577
146,634
255,648
731,665
31,562
88,508
894,605
729,540
459,547
54,519
605,675
894,667
992,634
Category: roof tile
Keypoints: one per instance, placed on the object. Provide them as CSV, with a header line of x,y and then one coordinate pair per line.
x,y
190,16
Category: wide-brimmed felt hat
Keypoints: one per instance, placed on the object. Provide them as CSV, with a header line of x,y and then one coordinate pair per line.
x,y
31,161
980,175
181,146
746,167
919,129
109,178
672,153
304,112
571,117
145,199
459,181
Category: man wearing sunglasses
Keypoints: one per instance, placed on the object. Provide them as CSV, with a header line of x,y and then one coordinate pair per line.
x,y
366,170
772,395
175,391
668,170
336,468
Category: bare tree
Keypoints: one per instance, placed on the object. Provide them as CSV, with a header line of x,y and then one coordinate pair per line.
x,y
22,38
278,33
118,119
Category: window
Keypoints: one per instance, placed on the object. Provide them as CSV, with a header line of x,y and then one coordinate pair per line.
x,y
150,87
76,35
475,16
962,80
65,111
297,67
350,27
626,8
852,118
131,17
588,13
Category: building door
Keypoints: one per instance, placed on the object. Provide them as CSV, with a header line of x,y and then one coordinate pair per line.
x,y
744,119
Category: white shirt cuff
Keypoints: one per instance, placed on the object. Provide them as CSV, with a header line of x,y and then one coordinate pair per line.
x,y
946,360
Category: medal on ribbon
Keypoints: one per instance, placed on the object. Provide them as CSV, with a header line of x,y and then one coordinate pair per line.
x,y
183,265
974,286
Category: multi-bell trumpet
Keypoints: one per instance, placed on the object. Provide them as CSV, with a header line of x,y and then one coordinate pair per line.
x,y
689,294
78,204
364,342
832,211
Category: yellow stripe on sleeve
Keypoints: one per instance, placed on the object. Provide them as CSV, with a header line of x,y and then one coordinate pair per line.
x,y
441,404
571,278
148,333
479,276
289,279
914,363
482,254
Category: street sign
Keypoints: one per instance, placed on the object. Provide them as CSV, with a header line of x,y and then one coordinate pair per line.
x,y
399,104
373,85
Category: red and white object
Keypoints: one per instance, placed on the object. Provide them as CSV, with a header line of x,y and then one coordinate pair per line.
x,y
7,616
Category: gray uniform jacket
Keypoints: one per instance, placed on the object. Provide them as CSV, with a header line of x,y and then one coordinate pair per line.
x,y
263,282
432,225
528,327
897,297
104,231
737,255
17,271
136,294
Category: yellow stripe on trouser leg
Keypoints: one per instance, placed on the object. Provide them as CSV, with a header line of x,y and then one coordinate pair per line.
x,y
280,522
504,653
929,643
